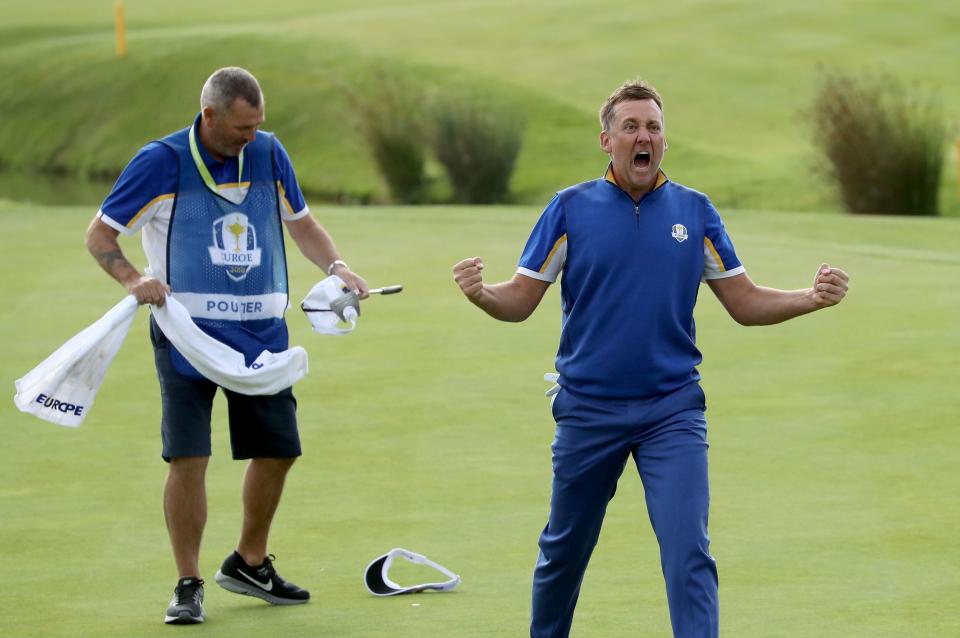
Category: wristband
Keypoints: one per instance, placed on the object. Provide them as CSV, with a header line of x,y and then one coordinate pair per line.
x,y
336,262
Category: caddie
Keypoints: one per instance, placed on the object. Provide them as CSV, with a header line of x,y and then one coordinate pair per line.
x,y
212,201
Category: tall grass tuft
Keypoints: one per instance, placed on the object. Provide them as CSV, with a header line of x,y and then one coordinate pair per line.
x,y
477,146
883,143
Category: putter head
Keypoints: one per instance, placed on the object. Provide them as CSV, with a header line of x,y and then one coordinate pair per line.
x,y
345,305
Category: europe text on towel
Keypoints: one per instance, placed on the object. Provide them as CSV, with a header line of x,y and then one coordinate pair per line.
x,y
63,387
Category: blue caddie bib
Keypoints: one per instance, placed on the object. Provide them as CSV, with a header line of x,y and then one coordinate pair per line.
x,y
225,261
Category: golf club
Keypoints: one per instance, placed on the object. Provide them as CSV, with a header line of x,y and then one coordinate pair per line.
x,y
386,290
352,300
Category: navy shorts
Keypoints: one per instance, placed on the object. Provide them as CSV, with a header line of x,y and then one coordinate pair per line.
x,y
260,426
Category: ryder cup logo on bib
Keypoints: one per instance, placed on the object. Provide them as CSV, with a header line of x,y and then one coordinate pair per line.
x,y
235,245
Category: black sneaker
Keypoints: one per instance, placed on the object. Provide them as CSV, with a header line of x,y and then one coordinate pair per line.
x,y
186,606
263,581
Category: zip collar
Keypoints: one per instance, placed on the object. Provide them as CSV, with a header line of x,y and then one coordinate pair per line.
x,y
610,177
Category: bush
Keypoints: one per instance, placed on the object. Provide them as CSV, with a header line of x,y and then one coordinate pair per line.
x,y
478,148
399,155
392,122
883,142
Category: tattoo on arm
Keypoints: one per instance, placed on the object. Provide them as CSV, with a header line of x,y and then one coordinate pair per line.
x,y
108,258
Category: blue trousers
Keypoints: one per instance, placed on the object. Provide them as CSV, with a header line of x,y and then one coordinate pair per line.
x,y
667,438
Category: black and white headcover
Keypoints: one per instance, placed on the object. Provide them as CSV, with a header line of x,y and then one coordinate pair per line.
x,y
378,583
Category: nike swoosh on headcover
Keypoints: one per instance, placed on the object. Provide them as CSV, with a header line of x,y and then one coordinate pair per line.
x,y
265,587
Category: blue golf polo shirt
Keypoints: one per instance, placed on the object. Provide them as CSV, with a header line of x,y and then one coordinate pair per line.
x,y
631,274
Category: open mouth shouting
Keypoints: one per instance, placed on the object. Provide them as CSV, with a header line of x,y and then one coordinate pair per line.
x,y
641,160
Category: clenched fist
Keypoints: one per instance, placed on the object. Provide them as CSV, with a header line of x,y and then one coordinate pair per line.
x,y
830,286
469,276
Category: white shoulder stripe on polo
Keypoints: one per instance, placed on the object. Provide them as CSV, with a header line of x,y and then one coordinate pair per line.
x,y
724,274
533,274
554,264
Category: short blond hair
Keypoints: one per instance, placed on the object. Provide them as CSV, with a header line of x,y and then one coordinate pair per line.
x,y
629,91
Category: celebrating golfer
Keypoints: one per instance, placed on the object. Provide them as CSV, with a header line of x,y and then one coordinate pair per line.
x,y
210,200
633,248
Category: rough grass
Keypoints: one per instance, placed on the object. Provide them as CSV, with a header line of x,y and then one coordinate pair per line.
x,y
833,460
737,78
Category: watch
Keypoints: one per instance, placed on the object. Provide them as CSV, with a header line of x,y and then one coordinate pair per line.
x,y
334,264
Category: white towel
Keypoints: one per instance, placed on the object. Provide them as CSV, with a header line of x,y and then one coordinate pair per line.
x,y
317,306
63,387
268,374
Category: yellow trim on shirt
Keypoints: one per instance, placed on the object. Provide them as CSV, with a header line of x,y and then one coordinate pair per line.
x,y
610,177
713,251
144,209
546,262
233,185
283,198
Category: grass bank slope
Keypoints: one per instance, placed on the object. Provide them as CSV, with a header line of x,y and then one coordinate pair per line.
x,y
833,459
737,77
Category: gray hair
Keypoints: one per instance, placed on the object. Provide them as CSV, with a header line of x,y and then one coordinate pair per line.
x,y
223,88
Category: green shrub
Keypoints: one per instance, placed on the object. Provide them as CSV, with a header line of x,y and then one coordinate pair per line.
x,y
883,143
392,122
399,156
477,146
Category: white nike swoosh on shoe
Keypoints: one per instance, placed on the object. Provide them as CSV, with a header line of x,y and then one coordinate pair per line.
x,y
267,586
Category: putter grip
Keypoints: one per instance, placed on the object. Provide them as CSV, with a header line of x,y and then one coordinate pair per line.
x,y
390,290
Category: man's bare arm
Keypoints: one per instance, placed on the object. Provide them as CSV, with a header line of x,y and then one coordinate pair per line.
x,y
753,305
512,300
317,245
101,241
